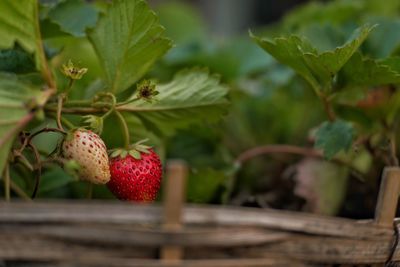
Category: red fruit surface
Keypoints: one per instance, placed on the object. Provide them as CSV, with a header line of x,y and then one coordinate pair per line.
x,y
136,179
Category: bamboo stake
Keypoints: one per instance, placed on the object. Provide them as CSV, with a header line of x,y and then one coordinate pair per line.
x,y
388,197
386,206
173,204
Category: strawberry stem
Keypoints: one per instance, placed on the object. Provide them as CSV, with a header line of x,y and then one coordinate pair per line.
x,y
125,129
60,101
127,101
113,104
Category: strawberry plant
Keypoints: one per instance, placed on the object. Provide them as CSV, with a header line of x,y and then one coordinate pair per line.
x,y
74,74
312,83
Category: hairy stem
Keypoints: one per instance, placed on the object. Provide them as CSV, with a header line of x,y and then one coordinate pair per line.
x,y
125,130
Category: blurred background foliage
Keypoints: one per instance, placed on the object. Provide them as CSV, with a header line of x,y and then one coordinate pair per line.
x,y
270,103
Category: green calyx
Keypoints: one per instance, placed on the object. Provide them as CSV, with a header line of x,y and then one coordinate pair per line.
x,y
71,132
135,150
94,122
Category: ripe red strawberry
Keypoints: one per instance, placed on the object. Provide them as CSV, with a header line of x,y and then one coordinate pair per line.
x,y
90,152
135,175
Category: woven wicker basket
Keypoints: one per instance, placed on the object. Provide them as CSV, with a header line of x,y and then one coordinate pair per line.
x,y
121,234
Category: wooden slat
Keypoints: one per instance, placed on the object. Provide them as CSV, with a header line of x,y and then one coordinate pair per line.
x,y
112,262
31,246
79,231
126,213
93,234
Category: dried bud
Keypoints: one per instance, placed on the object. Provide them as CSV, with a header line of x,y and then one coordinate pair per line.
x,y
146,90
73,72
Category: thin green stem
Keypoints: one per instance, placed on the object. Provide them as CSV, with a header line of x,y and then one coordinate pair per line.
x,y
64,120
60,101
67,123
7,179
17,190
69,86
24,161
125,130
38,170
28,140
78,103
44,68
127,101
112,108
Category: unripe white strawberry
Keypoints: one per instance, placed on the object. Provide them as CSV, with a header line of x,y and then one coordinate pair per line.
x,y
90,152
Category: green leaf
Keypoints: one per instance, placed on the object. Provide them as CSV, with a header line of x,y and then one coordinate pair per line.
x,y
16,60
318,12
333,137
203,185
366,72
74,17
193,96
318,68
19,23
54,179
387,30
289,51
172,14
392,62
16,100
128,40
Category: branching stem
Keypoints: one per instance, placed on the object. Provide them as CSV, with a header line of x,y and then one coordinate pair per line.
x,y
328,108
289,149
28,140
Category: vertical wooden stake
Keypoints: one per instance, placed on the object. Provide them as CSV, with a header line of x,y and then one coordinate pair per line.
x,y
386,206
174,198
388,197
